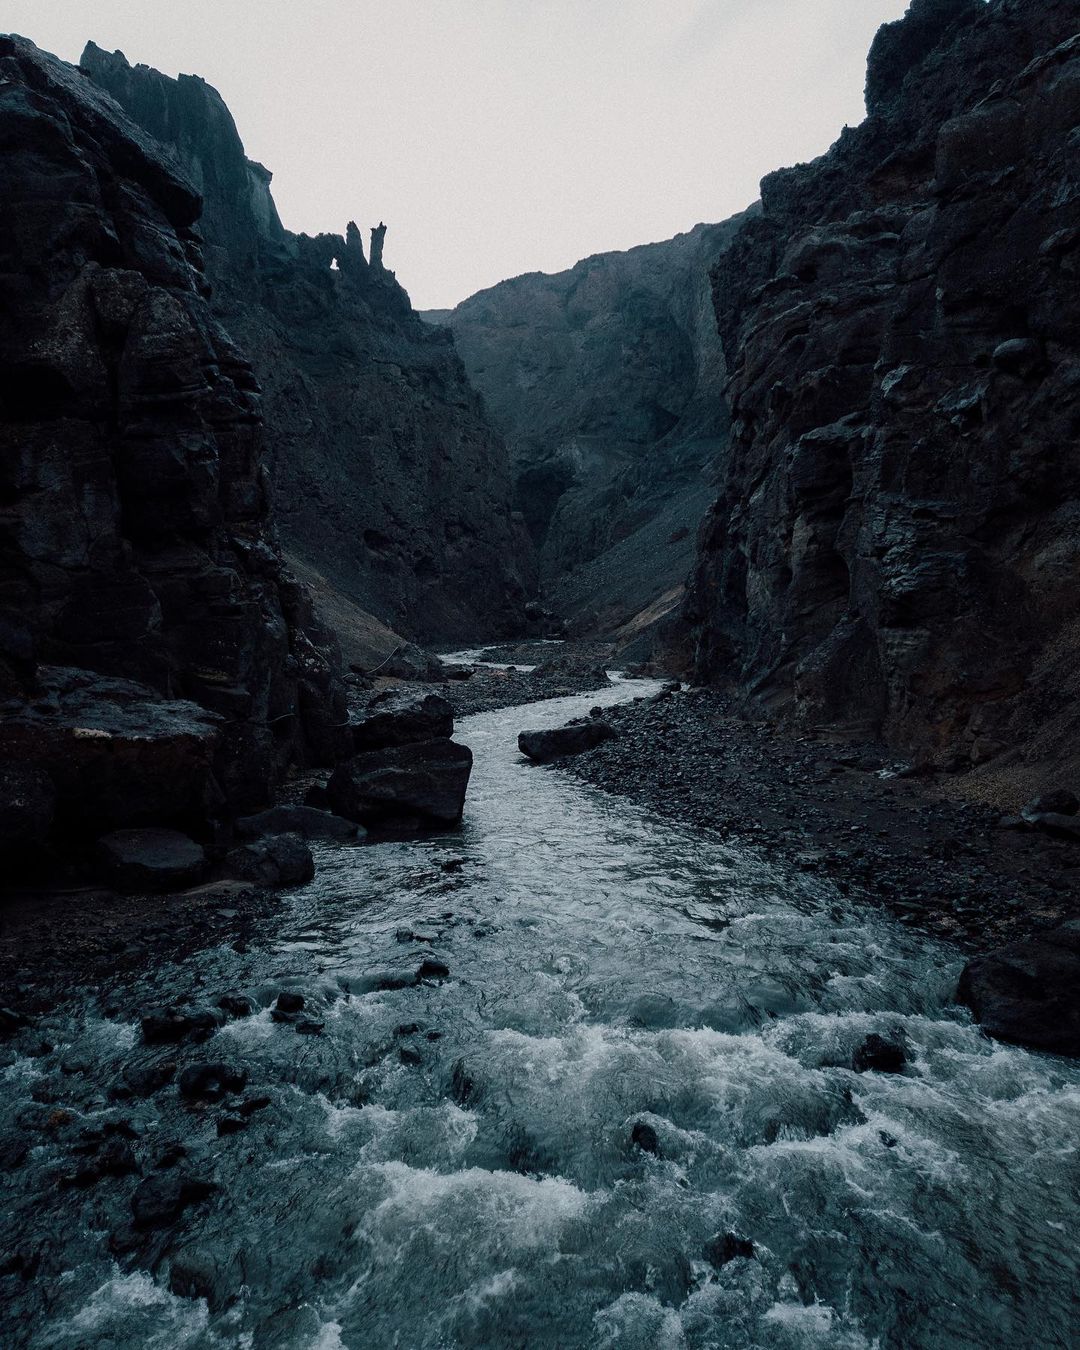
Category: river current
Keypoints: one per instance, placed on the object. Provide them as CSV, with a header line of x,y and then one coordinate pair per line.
x,y
450,1162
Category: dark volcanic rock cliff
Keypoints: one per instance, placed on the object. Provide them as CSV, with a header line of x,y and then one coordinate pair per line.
x,y
897,541
387,477
607,382
156,659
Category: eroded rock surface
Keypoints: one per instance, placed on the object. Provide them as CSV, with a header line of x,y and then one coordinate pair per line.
x,y
157,658
387,477
896,544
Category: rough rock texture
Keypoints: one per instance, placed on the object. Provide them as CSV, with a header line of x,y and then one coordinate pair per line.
x,y
896,547
387,476
137,554
402,717
607,381
1027,992
562,742
425,781
150,860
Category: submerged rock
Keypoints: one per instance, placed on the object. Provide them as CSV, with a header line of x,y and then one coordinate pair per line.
x,y
173,1025
161,1199
559,743
210,1082
879,1054
150,860
426,780
1026,993
727,1247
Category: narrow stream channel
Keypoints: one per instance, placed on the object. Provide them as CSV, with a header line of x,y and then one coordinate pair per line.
x,y
450,1162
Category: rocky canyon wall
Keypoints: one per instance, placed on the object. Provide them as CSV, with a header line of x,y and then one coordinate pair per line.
x,y
896,545
387,477
607,382
157,660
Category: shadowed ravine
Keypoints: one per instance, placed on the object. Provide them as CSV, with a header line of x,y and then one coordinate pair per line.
x,y
450,1162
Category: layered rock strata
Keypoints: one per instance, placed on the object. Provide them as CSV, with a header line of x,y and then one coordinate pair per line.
x,y
157,661
387,477
896,546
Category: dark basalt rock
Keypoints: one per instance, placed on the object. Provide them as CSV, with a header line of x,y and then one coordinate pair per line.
x,y
276,860
211,1082
387,476
426,780
894,548
171,1026
1059,802
402,718
727,1247
306,821
1026,993
559,743
161,1199
644,1137
140,556
150,860
880,1055
27,804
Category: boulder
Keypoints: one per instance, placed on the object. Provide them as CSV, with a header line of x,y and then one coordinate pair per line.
x,y
1026,993
276,860
409,662
426,780
727,1247
879,1054
402,717
172,1025
306,821
161,1199
211,1082
150,860
27,802
1059,801
561,742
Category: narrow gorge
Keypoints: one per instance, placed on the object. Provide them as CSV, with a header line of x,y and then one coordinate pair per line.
x,y
553,821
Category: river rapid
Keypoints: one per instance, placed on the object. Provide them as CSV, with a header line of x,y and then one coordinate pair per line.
x,y
450,1162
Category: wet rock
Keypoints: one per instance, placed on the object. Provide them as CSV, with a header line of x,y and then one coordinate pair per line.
x,y
727,1247
117,1159
431,969
27,804
543,747
12,1021
173,1025
160,1200
144,1080
231,1125
307,1027
1026,993
402,717
306,821
410,662
250,1105
1059,802
150,860
210,1082
277,860
288,1001
237,1005
426,780
880,1055
644,1137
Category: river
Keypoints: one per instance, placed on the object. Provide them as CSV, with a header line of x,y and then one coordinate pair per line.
x,y
449,1163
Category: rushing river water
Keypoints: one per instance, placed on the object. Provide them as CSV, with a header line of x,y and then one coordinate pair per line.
x,y
450,1162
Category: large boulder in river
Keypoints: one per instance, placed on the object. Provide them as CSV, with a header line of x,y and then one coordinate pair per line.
x,y
307,821
1026,993
402,717
561,742
277,860
425,781
150,860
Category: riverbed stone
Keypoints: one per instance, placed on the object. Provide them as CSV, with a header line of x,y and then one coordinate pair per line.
x,y
276,860
150,860
426,780
879,1054
212,1081
161,1199
398,717
307,821
542,747
1026,993
173,1025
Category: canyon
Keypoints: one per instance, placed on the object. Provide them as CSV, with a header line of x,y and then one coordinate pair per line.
x,y
661,964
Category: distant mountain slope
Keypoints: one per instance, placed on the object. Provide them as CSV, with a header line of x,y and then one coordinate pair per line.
x,y
607,381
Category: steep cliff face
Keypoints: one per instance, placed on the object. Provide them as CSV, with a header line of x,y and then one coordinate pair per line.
x,y
897,540
606,381
156,658
387,477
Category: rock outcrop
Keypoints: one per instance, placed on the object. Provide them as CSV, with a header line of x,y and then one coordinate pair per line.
x,y
607,381
388,480
896,545
158,663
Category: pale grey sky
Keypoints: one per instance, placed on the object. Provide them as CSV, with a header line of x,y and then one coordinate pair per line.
x,y
502,136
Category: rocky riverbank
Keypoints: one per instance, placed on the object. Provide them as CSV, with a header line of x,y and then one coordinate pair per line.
x,y
851,812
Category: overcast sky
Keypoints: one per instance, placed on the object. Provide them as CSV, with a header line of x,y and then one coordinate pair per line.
x,y
502,136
